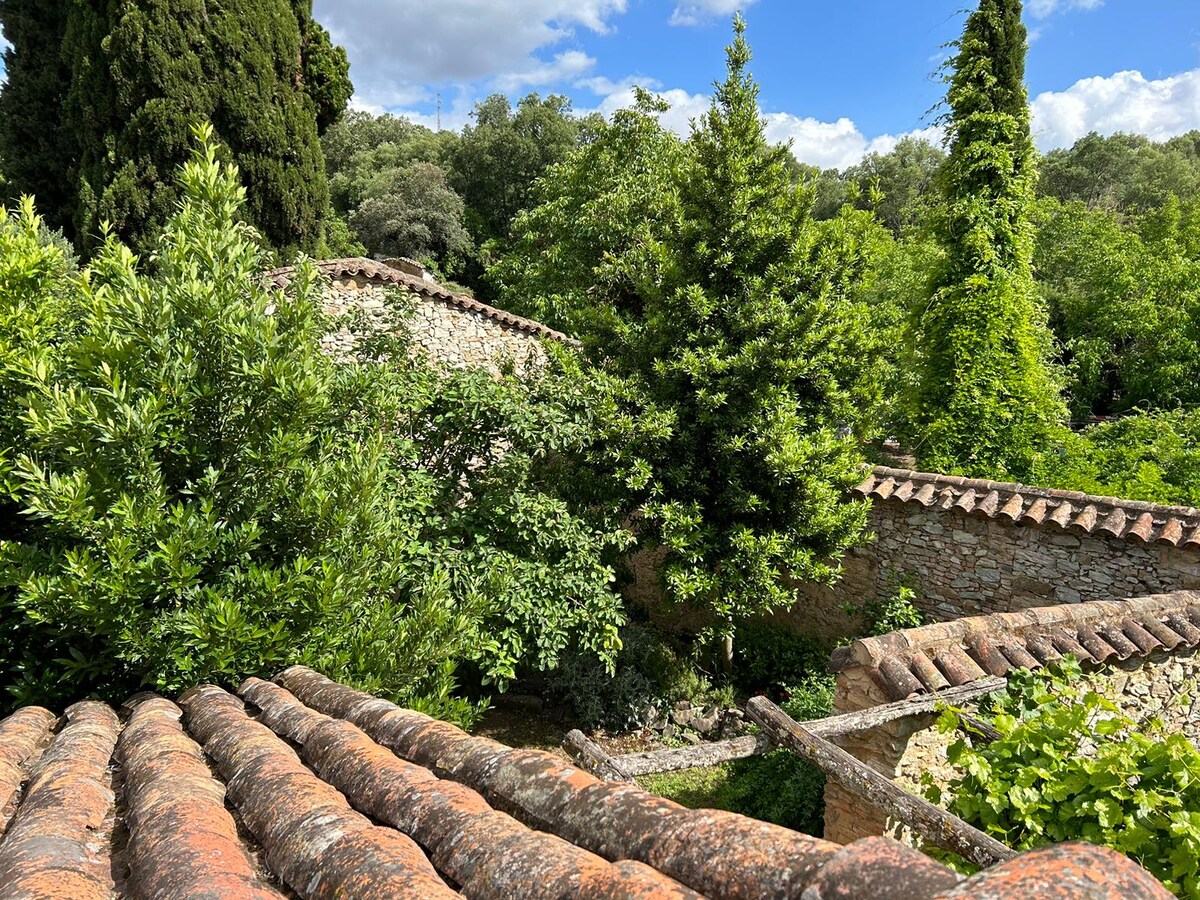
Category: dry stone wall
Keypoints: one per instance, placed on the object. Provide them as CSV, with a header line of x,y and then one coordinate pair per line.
x,y
966,565
452,337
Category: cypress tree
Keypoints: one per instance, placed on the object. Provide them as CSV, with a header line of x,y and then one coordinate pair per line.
x,y
984,398
142,74
36,145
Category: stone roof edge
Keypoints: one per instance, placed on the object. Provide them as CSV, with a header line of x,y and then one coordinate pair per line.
x,y
369,268
872,651
963,483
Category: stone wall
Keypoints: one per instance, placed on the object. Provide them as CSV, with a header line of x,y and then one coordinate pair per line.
x,y
964,565
451,336
911,750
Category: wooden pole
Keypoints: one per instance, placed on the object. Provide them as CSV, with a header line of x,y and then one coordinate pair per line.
x,y
932,823
653,761
864,720
593,757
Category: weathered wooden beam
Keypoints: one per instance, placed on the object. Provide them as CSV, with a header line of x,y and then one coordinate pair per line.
x,y
651,762
593,757
932,823
864,720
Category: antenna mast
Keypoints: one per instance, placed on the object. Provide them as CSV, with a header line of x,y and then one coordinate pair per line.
x,y
439,111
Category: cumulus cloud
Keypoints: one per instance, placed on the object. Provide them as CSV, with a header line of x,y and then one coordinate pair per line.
x,y
828,145
398,48
699,11
565,67
1041,9
1126,101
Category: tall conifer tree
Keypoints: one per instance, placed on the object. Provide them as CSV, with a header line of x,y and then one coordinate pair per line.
x,y
985,400
119,85
37,147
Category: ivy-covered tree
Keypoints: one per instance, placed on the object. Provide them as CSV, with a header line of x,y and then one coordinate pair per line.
x,y
38,147
140,76
985,399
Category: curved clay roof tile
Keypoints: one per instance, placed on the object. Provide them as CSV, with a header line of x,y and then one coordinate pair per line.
x,y
1016,654
1086,518
1172,532
1185,629
1167,636
922,666
967,501
989,657
1037,512
1142,528
1145,641
1062,514
1098,649
1113,523
884,489
1042,648
1116,639
1013,508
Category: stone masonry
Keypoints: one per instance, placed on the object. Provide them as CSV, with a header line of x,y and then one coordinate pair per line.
x,y
965,556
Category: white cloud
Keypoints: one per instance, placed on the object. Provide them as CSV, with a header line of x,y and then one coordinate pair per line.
x,y
1126,101
398,48
1040,9
565,67
698,11
829,145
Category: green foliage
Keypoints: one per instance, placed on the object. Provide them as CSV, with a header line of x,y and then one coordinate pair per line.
x,y
1123,173
1153,456
119,86
984,398
900,183
37,145
769,656
325,68
193,490
411,211
501,156
1070,765
894,613
727,328
651,675
1124,296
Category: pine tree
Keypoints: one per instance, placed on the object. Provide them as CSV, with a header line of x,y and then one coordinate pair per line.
x,y
985,399
139,76
37,147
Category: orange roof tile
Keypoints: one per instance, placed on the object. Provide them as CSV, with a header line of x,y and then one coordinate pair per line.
x,y
304,787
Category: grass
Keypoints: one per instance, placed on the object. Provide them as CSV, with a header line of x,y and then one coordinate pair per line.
x,y
693,788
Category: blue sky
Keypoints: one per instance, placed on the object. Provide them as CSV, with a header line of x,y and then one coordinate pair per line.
x,y
838,78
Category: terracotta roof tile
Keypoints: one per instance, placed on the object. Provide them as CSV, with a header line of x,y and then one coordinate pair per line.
x,y
1177,526
307,788
977,647
370,269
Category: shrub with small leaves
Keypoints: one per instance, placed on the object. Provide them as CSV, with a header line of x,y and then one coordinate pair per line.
x,y
191,490
1070,765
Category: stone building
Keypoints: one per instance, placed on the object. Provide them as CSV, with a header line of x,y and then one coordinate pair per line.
x,y
453,329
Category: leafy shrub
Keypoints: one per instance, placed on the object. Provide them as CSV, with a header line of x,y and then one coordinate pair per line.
x,y
894,613
768,655
1070,765
1152,456
650,672
191,490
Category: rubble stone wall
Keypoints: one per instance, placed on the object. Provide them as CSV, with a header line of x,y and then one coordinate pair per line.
x,y
965,565
453,337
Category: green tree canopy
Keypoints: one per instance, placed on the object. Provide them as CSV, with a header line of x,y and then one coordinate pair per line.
x,y
504,152
119,86
411,211
984,398
728,328
37,145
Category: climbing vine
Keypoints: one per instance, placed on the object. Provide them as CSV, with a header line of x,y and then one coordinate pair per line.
x,y
1070,765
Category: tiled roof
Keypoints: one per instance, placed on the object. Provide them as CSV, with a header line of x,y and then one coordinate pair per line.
x,y
1148,523
303,787
931,657
370,269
